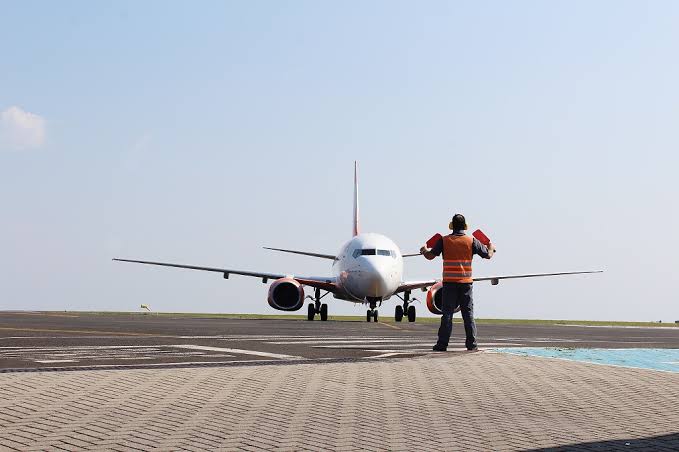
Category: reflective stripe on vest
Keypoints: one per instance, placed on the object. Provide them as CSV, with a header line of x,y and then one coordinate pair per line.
x,y
457,258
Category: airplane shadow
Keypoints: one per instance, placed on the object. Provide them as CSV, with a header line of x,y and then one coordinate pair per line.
x,y
662,442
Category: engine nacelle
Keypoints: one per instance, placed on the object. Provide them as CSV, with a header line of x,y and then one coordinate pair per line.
x,y
435,298
286,294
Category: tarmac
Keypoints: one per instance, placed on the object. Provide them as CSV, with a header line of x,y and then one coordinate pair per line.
x,y
144,382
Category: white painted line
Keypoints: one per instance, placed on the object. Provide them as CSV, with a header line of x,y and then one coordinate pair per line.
x,y
409,352
552,340
602,341
151,365
302,339
234,350
89,336
404,347
85,347
48,361
375,346
260,337
352,341
385,355
421,351
246,337
130,358
633,327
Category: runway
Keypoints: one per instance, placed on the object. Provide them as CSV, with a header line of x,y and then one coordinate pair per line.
x,y
31,341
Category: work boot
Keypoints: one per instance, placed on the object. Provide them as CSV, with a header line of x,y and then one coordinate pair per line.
x,y
473,349
439,348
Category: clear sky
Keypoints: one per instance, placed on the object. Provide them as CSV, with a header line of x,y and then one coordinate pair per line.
x,y
198,132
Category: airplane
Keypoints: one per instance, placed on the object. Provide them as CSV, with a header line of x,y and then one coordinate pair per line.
x,y
368,270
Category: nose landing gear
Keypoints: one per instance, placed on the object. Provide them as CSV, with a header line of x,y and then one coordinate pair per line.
x,y
316,307
406,309
372,312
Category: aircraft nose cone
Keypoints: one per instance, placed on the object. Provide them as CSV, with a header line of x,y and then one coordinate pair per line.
x,y
377,286
372,283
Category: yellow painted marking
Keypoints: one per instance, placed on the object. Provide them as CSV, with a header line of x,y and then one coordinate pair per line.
x,y
390,326
45,330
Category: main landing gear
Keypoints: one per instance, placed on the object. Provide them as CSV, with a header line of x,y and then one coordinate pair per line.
x,y
406,309
317,308
372,312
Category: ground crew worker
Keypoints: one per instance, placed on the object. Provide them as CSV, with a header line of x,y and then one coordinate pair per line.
x,y
458,250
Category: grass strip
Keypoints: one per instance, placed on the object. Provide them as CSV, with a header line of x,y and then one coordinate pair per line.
x,y
387,319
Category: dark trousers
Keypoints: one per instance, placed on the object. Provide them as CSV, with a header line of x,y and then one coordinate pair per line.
x,y
457,295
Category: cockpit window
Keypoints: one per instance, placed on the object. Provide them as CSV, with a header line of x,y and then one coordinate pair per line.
x,y
374,252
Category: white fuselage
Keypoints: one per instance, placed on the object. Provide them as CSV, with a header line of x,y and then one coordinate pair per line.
x,y
369,267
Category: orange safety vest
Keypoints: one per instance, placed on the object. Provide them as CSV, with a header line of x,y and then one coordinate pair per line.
x,y
457,258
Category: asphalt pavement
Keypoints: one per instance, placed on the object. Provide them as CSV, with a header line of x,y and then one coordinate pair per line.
x,y
73,341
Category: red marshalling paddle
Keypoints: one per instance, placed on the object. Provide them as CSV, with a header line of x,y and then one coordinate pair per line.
x,y
480,236
432,241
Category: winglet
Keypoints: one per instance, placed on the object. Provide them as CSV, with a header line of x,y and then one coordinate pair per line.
x,y
356,221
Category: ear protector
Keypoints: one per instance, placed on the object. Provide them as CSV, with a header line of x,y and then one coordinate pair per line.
x,y
450,226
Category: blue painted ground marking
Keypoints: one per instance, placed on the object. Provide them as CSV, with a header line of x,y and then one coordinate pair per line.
x,y
645,358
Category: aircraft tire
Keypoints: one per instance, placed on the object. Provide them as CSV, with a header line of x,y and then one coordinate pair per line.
x,y
311,312
398,316
368,316
375,315
324,312
411,314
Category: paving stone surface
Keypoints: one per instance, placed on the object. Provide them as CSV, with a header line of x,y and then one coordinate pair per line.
x,y
459,401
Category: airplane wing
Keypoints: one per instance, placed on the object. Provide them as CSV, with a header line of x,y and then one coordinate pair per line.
x,y
320,282
412,285
303,253
496,279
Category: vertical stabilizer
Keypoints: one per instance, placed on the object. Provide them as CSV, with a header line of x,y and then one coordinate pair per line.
x,y
356,221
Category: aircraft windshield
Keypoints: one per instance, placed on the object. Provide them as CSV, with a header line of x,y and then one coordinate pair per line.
x,y
374,252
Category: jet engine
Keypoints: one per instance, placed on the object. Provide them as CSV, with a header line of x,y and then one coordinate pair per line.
x,y
435,298
286,294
